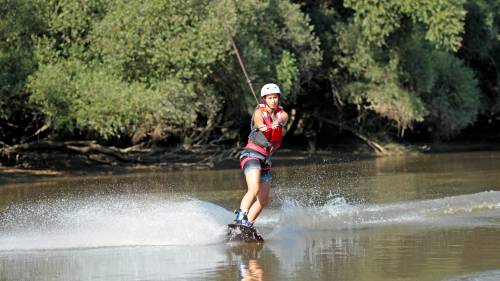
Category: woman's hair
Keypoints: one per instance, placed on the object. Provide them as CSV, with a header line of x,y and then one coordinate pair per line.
x,y
263,99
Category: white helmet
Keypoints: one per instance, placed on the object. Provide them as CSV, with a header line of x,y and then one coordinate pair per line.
x,y
269,89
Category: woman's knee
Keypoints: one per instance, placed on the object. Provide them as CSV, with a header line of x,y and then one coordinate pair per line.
x,y
263,195
253,192
263,201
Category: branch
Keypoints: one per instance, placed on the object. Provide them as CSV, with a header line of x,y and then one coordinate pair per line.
x,y
378,148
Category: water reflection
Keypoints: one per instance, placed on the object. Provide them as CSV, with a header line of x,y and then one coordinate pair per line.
x,y
123,263
372,254
246,258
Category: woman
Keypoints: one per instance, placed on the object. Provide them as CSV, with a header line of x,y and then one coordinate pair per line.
x,y
265,138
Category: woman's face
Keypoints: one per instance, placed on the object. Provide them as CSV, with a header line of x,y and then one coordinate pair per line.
x,y
272,100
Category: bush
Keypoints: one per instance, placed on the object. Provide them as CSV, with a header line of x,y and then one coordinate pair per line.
x,y
453,101
93,101
19,21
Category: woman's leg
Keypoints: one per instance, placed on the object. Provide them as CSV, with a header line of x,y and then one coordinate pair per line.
x,y
253,183
260,203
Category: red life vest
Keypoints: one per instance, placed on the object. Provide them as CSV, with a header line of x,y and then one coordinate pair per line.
x,y
274,136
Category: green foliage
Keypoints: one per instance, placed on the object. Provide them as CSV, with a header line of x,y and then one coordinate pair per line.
x,y
277,43
453,102
67,27
287,73
149,40
416,63
139,64
481,51
379,90
161,49
374,81
53,91
378,19
482,30
107,69
76,97
392,71
18,22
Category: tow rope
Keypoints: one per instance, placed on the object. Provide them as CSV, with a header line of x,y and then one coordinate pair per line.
x,y
249,82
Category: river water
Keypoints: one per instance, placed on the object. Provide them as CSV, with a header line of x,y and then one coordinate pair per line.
x,y
428,217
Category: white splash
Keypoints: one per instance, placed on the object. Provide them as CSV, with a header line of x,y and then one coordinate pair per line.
x,y
336,214
112,221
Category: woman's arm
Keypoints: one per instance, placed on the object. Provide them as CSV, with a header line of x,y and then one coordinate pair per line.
x,y
283,118
258,121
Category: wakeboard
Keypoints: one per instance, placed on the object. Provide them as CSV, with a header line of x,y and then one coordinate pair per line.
x,y
243,233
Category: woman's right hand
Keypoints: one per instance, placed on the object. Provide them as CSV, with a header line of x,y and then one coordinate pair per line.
x,y
262,128
276,124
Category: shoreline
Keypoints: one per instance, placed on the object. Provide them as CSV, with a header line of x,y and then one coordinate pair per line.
x,y
68,165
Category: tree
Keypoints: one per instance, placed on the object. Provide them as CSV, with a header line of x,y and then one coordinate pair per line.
x,y
453,101
371,63
149,57
172,59
19,21
444,20
481,52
